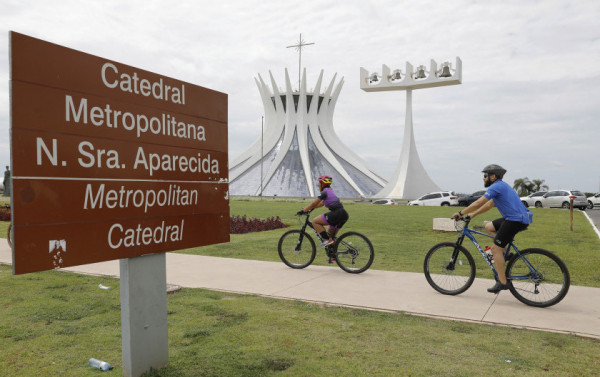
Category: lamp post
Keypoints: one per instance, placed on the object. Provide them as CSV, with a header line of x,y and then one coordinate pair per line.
x,y
262,155
410,178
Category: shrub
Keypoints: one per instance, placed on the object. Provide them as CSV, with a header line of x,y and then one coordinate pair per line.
x,y
5,213
242,224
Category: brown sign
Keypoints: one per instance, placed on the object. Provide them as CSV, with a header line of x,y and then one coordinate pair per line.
x,y
110,161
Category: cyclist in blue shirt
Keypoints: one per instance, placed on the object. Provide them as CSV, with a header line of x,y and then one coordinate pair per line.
x,y
334,219
515,217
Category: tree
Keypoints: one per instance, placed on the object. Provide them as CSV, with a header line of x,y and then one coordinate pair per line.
x,y
523,186
538,185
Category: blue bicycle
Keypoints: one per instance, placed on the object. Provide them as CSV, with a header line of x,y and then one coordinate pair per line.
x,y
537,277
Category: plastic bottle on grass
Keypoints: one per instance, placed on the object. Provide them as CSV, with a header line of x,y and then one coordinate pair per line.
x,y
99,364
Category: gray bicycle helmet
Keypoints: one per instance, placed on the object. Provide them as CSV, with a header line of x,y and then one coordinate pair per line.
x,y
494,169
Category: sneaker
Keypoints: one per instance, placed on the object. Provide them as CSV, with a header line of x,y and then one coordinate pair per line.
x,y
327,242
331,260
498,287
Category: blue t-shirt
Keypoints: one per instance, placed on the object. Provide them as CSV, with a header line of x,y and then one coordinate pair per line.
x,y
508,202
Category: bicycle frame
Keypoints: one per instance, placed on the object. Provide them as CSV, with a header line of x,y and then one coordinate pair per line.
x,y
303,229
470,234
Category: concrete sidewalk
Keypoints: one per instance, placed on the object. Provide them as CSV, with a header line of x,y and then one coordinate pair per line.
x,y
578,313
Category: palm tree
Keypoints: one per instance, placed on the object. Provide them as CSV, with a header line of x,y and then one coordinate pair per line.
x,y
523,186
538,185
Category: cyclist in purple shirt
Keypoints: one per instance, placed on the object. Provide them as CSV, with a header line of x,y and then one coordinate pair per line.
x,y
515,217
334,219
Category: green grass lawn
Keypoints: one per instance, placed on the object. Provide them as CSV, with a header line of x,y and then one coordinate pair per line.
x,y
52,322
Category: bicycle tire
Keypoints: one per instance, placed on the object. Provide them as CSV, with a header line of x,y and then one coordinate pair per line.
x,y
547,286
9,235
354,252
296,258
447,278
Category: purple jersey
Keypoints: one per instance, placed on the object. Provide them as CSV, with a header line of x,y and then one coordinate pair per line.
x,y
330,199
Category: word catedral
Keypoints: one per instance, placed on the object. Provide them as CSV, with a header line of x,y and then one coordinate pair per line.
x,y
130,237
133,84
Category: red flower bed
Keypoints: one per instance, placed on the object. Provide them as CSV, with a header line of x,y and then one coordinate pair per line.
x,y
242,224
5,213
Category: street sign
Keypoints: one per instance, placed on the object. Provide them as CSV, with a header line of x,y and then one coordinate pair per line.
x,y
110,161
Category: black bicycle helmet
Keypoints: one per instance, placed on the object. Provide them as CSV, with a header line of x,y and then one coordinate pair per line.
x,y
497,170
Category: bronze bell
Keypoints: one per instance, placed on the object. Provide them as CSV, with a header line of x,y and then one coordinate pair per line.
x,y
446,71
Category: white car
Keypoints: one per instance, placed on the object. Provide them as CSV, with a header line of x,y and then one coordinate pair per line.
x,y
561,199
593,201
530,200
441,198
389,202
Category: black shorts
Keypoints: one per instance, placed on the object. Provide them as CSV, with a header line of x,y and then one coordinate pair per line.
x,y
506,231
336,218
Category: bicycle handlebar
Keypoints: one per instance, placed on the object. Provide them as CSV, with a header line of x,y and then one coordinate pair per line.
x,y
305,213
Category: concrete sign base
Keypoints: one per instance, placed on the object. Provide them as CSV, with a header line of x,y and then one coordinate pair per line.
x,y
144,328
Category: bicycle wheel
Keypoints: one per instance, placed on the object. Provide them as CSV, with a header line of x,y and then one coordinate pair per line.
x,y
296,249
539,278
446,274
354,252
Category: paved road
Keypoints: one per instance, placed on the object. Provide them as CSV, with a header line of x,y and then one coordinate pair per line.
x,y
594,215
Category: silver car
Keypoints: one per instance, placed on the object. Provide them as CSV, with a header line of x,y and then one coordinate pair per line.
x,y
532,199
562,199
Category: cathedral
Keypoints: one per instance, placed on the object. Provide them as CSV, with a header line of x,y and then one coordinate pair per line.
x,y
298,145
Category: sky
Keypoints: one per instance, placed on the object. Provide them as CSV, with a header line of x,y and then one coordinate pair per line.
x,y
529,99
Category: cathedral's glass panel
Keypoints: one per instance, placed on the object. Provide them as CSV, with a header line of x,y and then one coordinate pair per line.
x,y
289,178
319,166
366,184
249,182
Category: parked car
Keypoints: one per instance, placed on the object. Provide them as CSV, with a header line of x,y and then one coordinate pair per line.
x,y
441,198
464,201
593,201
530,200
562,199
389,202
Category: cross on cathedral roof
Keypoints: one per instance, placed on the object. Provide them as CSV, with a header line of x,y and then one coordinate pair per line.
x,y
298,48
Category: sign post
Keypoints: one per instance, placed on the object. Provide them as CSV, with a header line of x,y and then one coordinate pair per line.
x,y
112,162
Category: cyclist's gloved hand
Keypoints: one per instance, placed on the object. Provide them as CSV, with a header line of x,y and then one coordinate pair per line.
x,y
300,213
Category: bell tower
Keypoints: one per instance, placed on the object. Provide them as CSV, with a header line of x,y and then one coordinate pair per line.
x,y
410,180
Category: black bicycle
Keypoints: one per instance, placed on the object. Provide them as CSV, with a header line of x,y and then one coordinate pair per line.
x,y
536,277
352,251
